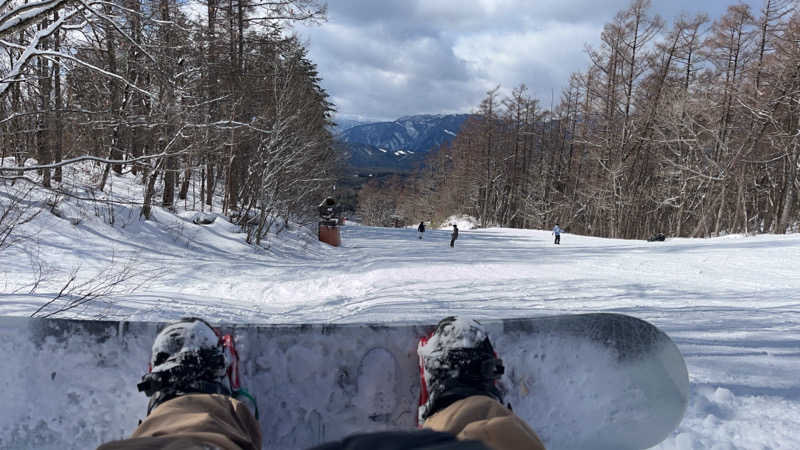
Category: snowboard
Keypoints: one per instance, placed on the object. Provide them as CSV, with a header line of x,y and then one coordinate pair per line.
x,y
597,381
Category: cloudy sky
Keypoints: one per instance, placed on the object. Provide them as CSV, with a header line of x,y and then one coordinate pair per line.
x,y
383,59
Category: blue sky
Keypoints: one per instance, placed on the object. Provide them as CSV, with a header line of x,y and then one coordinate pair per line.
x,y
384,59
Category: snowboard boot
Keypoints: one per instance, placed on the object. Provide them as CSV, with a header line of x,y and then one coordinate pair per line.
x,y
190,356
456,361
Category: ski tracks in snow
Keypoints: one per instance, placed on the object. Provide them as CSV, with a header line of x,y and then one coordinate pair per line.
x,y
731,304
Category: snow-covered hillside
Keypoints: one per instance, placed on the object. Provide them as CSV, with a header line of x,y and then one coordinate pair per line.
x,y
732,304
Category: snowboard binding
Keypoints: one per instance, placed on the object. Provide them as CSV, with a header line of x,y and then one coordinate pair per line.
x,y
456,361
191,356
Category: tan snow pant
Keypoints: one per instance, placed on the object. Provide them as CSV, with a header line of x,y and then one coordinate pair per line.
x,y
195,421
484,419
216,421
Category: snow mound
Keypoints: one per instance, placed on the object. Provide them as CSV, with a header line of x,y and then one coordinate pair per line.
x,y
202,218
463,221
83,252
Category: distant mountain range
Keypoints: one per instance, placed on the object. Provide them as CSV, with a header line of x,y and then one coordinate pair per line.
x,y
345,124
397,145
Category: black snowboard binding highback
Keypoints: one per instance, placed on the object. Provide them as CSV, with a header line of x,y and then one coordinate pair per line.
x,y
456,361
188,356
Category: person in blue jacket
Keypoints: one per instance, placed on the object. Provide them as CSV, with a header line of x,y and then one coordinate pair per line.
x,y
557,233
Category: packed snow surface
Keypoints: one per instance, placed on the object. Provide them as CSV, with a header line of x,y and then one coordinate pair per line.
x,y
732,304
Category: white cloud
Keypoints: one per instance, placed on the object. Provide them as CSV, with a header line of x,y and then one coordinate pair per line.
x,y
542,58
391,58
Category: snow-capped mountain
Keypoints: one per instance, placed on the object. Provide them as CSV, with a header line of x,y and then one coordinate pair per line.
x,y
401,143
341,125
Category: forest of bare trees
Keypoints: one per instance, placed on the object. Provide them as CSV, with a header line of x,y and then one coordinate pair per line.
x,y
690,129
217,93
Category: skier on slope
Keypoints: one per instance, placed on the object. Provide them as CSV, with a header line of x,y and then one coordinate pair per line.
x,y
557,233
421,229
454,235
192,405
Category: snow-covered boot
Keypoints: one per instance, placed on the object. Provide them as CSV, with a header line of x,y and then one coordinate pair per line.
x,y
456,361
189,356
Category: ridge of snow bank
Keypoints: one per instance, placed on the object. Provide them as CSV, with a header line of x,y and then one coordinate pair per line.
x,y
463,221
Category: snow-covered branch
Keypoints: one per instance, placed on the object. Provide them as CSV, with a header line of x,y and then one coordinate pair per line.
x,y
31,51
27,14
78,159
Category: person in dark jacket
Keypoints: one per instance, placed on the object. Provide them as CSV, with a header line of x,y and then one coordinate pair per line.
x,y
421,229
454,235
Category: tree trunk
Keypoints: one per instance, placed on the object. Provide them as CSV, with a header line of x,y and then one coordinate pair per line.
x,y
210,183
59,116
149,191
790,192
43,118
170,112
170,167
187,175
718,220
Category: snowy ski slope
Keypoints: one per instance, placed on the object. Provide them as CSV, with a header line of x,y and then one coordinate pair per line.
x,y
732,304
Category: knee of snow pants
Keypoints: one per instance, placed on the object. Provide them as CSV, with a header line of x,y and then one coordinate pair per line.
x,y
485,419
195,421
